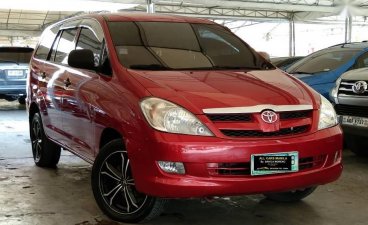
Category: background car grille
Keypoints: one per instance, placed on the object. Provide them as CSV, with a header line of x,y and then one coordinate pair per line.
x,y
352,110
243,169
346,88
257,133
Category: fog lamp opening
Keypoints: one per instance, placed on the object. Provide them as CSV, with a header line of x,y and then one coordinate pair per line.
x,y
172,167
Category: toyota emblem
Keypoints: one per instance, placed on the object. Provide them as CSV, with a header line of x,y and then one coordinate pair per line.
x,y
360,87
269,116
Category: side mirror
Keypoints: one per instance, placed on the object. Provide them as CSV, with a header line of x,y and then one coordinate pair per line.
x,y
81,58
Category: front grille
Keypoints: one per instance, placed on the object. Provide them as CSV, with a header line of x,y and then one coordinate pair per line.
x,y
243,169
230,117
248,117
294,115
346,88
352,110
258,133
311,162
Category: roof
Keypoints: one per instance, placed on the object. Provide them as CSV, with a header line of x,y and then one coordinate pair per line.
x,y
138,16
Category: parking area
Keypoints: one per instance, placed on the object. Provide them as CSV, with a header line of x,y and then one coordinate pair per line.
x,y
32,195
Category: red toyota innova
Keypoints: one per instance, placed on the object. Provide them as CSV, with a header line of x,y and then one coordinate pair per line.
x,y
175,107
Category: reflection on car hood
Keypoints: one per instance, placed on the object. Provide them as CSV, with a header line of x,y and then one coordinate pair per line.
x,y
358,74
218,89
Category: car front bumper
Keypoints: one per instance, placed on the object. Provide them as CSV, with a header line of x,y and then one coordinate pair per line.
x,y
197,153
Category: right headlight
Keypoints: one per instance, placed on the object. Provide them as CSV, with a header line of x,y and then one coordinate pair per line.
x,y
327,115
169,117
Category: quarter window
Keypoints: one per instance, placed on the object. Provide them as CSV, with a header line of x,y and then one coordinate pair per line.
x,y
46,42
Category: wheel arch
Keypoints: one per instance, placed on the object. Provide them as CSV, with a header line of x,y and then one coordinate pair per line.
x,y
33,109
107,135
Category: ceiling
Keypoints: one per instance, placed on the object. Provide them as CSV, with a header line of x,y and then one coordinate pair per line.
x,y
22,24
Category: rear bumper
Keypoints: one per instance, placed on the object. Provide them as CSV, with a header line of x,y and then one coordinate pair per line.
x,y
197,152
17,90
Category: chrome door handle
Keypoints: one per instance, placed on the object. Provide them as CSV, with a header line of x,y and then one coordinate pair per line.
x,y
42,75
67,82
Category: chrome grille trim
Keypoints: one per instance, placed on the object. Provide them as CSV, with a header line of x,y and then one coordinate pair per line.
x,y
258,109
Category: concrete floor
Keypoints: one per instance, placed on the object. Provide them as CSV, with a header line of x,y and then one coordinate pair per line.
x,y
32,195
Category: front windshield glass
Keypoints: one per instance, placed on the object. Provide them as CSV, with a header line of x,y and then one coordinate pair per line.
x,y
169,45
323,61
15,56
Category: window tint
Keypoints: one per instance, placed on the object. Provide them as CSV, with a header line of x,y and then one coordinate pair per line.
x,y
15,55
166,45
47,40
65,46
322,61
223,48
88,40
129,45
170,35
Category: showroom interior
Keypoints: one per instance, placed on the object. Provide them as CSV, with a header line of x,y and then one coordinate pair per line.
x,y
317,51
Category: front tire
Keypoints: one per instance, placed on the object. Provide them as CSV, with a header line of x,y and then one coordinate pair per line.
x,y
291,196
114,188
22,100
45,152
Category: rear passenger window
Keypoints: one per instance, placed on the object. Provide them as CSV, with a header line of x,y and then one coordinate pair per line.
x,y
65,46
48,38
88,40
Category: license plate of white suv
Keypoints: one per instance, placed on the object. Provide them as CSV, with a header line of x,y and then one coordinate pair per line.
x,y
355,121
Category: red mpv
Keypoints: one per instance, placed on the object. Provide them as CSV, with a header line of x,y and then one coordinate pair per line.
x,y
175,107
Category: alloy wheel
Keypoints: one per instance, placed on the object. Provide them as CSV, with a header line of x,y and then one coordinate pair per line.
x,y
116,184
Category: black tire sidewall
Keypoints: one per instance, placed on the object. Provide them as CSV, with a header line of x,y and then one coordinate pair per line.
x,y
141,214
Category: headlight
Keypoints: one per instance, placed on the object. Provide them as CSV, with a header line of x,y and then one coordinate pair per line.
x,y
166,116
327,115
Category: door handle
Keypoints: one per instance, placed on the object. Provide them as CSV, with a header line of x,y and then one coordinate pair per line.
x,y
67,82
42,75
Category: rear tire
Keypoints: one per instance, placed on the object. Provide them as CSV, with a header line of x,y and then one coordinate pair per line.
x,y
291,196
22,100
358,145
114,188
45,152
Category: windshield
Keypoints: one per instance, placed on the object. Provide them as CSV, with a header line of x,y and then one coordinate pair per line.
x,y
323,61
15,55
168,45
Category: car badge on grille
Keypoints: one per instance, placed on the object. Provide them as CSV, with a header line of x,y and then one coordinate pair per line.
x,y
269,116
360,87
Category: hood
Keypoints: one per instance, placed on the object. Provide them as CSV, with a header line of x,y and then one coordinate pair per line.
x,y
358,74
198,90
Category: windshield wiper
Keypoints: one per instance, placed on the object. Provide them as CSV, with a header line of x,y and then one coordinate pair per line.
x,y
9,61
148,67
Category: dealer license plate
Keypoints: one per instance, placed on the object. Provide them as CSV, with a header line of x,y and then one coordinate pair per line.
x,y
272,163
14,74
355,121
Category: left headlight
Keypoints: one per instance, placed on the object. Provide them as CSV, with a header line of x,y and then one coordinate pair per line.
x,y
327,115
169,117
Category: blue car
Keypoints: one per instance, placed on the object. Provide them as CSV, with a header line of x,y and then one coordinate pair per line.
x,y
321,69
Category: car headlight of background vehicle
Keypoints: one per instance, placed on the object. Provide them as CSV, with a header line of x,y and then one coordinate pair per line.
x,y
334,90
166,116
327,115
